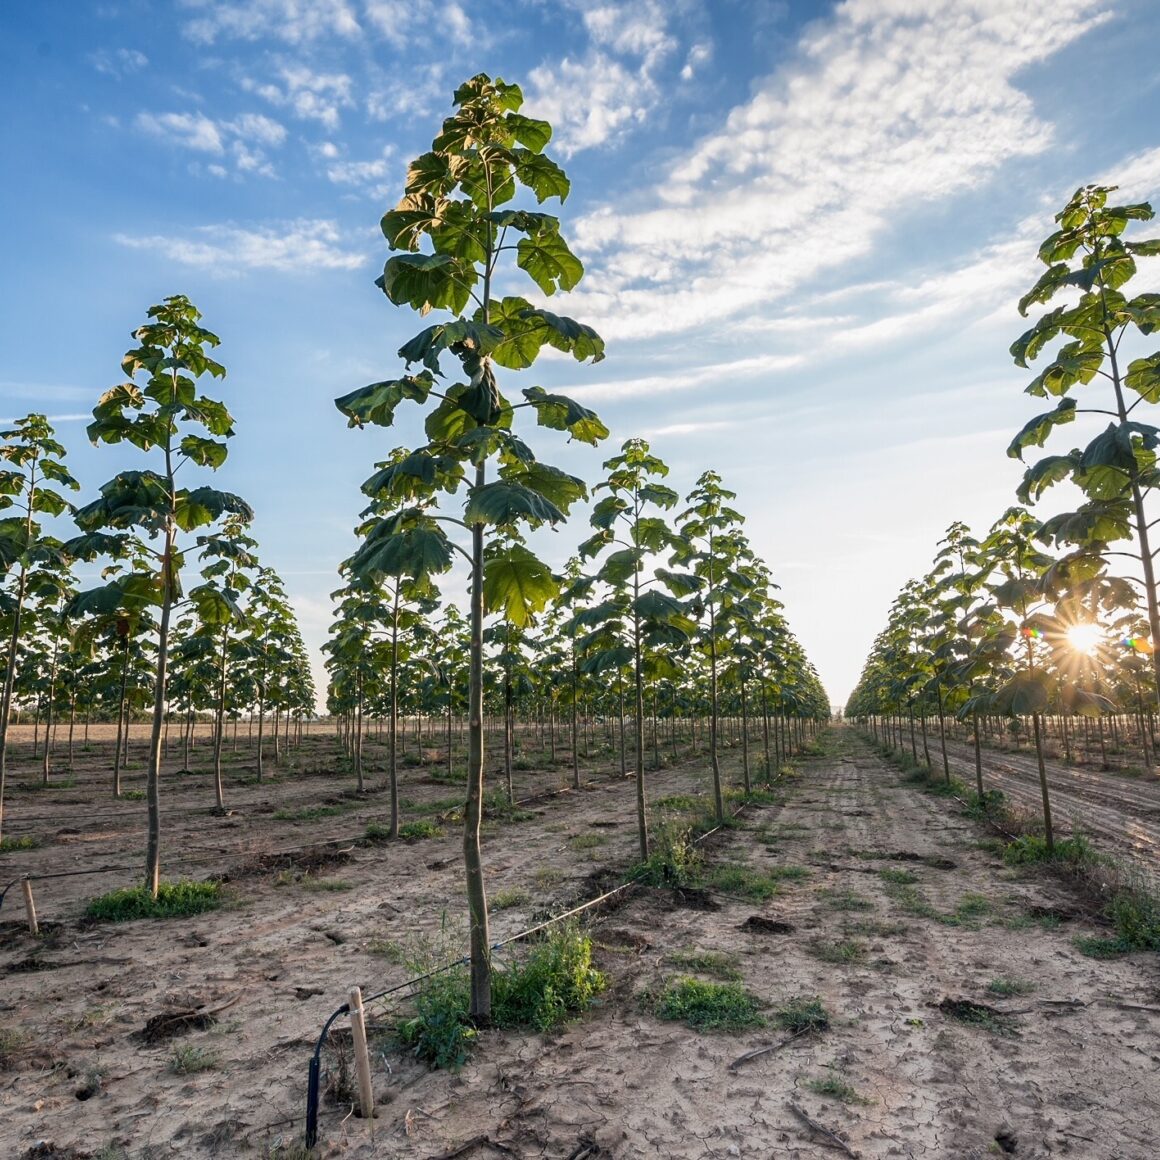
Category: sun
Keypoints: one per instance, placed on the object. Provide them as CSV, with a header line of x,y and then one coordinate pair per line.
x,y
1085,638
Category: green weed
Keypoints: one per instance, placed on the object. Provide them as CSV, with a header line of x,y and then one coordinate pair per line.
x,y
842,952
1010,987
506,899
587,841
174,899
309,813
186,1059
673,859
420,829
25,842
743,881
898,877
325,885
715,963
845,900
709,1006
802,1014
1030,849
835,1088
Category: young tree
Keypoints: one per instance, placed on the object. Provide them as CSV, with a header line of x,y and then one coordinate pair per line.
x,y
453,203
31,563
164,416
1117,471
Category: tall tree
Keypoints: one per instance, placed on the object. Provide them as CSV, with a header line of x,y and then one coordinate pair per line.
x,y
453,204
166,416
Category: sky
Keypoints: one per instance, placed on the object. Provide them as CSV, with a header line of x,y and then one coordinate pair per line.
x,y
805,228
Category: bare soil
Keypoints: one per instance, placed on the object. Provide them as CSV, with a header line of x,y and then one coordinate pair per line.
x,y
889,909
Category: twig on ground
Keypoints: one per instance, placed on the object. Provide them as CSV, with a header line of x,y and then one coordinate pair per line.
x,y
836,1141
767,1049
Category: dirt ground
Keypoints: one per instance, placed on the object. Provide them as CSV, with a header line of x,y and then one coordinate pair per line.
x,y
891,908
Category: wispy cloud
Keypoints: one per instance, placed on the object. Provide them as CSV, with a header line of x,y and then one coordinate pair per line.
x,y
311,96
245,139
296,246
402,22
292,21
596,97
119,62
686,380
817,167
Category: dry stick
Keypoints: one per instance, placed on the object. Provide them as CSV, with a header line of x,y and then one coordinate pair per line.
x,y
837,1141
362,1059
470,1145
768,1048
30,906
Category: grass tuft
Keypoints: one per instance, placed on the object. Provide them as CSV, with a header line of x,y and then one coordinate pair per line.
x,y
25,842
709,1006
802,1014
174,899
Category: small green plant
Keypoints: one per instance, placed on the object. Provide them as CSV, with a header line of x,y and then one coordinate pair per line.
x,y
715,963
388,949
842,952
1135,913
788,873
420,829
673,859
187,1059
377,832
1102,947
25,842
972,906
174,899
678,803
835,1088
325,885
1010,987
802,1014
11,1042
898,877
709,1006
587,841
743,881
309,813
978,1015
507,899
1032,848
545,876
133,795
845,900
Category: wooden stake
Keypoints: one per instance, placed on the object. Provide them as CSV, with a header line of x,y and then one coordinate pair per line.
x,y
362,1059
30,906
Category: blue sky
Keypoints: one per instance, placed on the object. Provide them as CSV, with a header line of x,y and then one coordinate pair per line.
x,y
805,228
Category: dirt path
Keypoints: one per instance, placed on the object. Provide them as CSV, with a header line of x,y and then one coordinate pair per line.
x,y
889,908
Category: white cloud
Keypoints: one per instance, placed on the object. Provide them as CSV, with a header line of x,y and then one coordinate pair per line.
x,y
402,22
311,96
685,379
699,55
826,157
184,130
247,136
292,21
230,249
599,96
120,63
367,176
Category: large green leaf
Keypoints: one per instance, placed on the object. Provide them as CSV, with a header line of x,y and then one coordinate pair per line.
x,y
376,403
1143,377
556,486
517,584
1036,431
620,566
405,543
1048,283
1022,696
1046,472
561,413
427,282
203,505
541,175
429,344
503,504
1078,362
548,261
418,475
204,452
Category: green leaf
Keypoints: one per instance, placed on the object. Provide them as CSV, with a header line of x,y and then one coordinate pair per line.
x,y
427,282
1143,377
1046,472
556,486
620,566
405,543
503,504
203,505
1036,431
1143,311
204,452
417,475
1022,696
1042,291
429,344
1031,342
376,403
541,175
1078,362
517,584
533,135
561,413
548,261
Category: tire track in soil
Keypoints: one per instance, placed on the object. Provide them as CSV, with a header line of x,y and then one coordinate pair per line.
x,y
1124,818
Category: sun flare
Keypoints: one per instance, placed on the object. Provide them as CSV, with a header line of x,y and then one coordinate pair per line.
x,y
1085,638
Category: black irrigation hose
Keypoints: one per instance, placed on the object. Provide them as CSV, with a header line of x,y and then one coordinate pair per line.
x,y
312,1082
